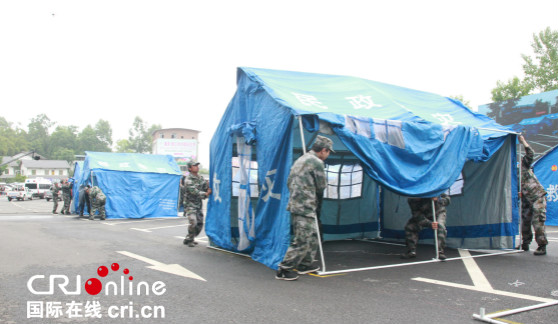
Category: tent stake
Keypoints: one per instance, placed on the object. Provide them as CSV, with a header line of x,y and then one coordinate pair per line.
x,y
435,231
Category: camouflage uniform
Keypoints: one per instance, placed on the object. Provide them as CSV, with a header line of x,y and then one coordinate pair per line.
x,y
55,189
67,197
421,217
533,202
98,200
195,189
306,183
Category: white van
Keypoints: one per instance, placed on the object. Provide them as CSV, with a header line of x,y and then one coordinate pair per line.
x,y
38,187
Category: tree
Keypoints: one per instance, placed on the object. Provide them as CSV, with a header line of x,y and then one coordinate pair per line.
x,y
104,132
460,98
88,141
123,146
39,134
64,137
140,136
541,71
12,141
513,89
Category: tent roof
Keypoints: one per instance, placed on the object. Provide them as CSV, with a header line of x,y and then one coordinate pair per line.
x,y
322,94
133,162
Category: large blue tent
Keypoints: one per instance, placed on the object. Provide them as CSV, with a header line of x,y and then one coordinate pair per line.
x,y
136,185
546,170
390,142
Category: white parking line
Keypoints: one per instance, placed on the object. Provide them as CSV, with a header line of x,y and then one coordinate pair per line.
x,y
489,291
112,223
155,228
201,239
479,279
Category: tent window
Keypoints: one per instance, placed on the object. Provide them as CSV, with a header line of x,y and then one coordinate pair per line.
x,y
389,131
254,192
248,157
344,181
457,187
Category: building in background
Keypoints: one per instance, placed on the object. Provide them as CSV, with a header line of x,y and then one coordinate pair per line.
x,y
26,165
180,143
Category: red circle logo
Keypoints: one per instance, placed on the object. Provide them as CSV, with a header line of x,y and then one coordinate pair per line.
x,y
554,168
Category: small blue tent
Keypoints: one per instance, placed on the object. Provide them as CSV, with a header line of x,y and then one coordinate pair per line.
x,y
136,185
546,170
390,142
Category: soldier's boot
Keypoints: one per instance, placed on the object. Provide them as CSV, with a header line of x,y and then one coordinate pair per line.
x,y
409,255
54,212
541,250
92,217
441,255
103,217
525,246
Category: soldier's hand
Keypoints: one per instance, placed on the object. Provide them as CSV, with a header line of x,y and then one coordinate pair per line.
x,y
434,225
208,192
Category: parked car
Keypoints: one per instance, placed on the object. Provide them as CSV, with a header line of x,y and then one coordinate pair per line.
x,y
19,193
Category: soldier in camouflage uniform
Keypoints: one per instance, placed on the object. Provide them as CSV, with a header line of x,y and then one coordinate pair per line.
x,y
55,189
306,182
421,217
533,203
66,196
98,201
196,188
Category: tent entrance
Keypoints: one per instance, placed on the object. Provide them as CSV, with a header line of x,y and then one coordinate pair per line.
x,y
365,255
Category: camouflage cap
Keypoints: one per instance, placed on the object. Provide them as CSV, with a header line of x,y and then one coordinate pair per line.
x,y
324,142
192,163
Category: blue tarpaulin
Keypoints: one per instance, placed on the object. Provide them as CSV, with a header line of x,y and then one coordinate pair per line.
x,y
411,142
546,170
136,185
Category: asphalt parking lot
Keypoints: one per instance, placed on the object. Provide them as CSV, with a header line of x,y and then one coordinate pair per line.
x,y
364,281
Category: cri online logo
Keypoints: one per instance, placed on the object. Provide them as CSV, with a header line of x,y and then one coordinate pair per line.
x,y
93,286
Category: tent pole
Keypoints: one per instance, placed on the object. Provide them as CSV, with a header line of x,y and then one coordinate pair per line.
x,y
317,223
302,134
435,231
520,199
498,130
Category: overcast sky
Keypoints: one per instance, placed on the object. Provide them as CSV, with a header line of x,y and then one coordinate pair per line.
x,y
174,63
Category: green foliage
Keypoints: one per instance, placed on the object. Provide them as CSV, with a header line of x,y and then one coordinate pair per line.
x,y
541,70
140,138
513,89
460,98
123,146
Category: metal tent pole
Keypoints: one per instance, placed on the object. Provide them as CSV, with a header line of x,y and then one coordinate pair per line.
x,y
435,231
317,224
520,198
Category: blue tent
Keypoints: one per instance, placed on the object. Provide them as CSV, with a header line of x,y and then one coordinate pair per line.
x,y
78,167
546,170
389,141
136,185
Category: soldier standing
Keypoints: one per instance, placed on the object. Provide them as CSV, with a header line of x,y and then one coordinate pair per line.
x,y
306,182
55,189
196,188
533,203
421,217
66,196
98,201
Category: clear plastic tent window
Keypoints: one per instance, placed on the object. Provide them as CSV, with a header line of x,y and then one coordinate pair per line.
x,y
344,181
